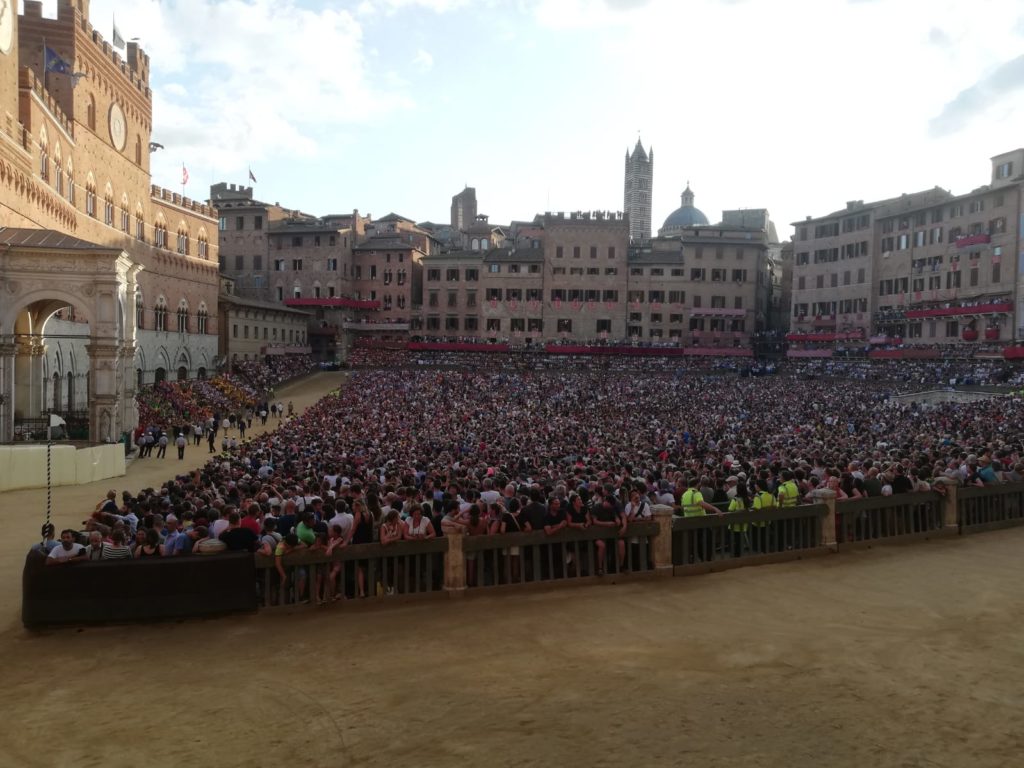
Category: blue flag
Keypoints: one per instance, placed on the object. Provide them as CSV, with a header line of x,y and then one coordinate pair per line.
x,y
54,63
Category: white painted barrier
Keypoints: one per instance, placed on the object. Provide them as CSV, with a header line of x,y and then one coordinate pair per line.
x,y
24,466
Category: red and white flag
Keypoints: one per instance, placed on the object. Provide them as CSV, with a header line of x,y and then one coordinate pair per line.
x,y
184,175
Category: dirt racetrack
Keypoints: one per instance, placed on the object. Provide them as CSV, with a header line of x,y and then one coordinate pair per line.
x,y
898,656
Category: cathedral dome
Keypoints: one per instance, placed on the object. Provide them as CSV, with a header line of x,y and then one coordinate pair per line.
x,y
685,216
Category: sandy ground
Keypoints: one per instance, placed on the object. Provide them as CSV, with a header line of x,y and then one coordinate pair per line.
x,y
899,656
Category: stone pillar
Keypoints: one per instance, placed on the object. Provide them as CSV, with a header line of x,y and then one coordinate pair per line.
x,y
7,354
950,502
454,566
827,533
28,379
104,397
661,547
129,410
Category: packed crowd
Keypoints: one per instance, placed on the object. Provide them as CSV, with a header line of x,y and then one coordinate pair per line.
x,y
169,404
266,374
945,372
416,456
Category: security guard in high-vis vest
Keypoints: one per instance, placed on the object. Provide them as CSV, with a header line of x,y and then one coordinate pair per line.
x,y
739,540
693,505
789,492
789,497
692,501
763,502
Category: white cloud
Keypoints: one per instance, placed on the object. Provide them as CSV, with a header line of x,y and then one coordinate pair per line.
x,y
423,61
369,7
237,81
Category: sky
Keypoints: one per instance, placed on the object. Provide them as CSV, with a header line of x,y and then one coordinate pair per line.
x,y
396,105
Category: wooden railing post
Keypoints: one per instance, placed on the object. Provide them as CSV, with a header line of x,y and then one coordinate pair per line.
x,y
455,566
828,522
662,545
949,501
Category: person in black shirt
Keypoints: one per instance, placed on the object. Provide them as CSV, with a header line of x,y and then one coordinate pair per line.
x,y
605,514
236,538
535,511
901,483
555,521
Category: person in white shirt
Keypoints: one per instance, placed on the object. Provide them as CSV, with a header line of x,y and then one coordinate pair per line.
x,y
488,494
69,550
221,524
344,520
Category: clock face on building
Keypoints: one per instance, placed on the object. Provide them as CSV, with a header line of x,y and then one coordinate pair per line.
x,y
118,126
7,10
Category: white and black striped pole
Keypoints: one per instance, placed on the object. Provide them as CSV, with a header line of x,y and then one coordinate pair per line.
x,y
49,491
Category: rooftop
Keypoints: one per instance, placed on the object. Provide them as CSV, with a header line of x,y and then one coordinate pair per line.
x,y
48,239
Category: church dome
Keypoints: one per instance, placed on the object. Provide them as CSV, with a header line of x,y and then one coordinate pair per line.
x,y
685,216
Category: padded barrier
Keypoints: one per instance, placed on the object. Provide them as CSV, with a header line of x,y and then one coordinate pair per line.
x,y
137,590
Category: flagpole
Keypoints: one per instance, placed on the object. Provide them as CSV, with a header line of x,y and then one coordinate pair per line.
x,y
46,69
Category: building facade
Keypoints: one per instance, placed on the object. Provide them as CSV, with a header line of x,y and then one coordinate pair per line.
x,y
136,296
579,279
639,185
251,329
921,269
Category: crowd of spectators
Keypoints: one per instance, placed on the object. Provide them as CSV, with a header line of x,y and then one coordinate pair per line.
x,y
271,371
493,451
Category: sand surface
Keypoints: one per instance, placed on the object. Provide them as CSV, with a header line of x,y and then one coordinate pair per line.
x,y
898,656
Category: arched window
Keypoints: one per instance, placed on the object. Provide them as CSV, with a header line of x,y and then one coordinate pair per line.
x,y
125,218
297,292
202,249
108,206
58,171
160,314
140,311
71,182
401,276
44,156
138,149
90,196
140,224
201,319
160,234
183,244
90,113
183,317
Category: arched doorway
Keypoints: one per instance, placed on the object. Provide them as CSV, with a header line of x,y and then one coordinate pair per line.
x,y
201,374
182,373
160,374
140,379
67,300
